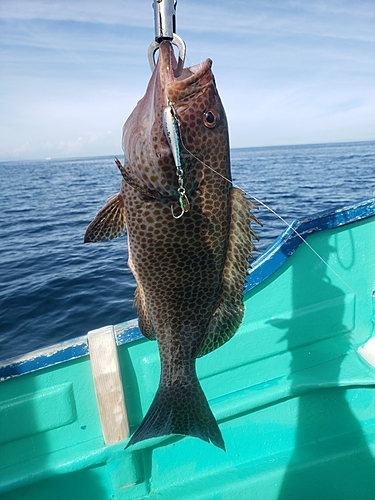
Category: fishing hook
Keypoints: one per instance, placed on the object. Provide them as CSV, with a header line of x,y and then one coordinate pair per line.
x,y
183,202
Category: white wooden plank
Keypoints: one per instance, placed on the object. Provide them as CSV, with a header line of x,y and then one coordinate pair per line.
x,y
368,351
108,384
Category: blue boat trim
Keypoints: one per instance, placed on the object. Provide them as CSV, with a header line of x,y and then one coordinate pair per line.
x,y
65,351
44,358
288,242
271,260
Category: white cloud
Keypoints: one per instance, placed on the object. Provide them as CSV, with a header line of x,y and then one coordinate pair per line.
x,y
297,115
94,143
344,20
125,12
24,149
288,71
86,142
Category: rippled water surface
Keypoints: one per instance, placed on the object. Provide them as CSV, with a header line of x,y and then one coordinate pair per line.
x,y
53,287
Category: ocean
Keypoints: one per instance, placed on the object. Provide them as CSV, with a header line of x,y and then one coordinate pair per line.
x,y
54,287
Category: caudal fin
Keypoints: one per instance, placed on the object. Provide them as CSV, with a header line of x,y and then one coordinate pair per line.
x,y
179,409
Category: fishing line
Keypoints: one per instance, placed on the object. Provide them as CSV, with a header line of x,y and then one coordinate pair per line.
x,y
285,222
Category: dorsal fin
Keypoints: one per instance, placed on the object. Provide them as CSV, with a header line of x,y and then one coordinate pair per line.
x,y
109,223
229,311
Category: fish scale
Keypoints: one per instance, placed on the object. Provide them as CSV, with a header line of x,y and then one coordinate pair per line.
x,y
190,270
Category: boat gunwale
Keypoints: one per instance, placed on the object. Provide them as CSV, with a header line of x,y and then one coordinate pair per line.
x,y
290,239
263,267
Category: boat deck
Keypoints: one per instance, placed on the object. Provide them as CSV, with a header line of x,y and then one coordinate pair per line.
x,y
293,391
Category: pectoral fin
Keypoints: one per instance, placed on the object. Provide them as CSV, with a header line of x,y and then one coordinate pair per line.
x,y
109,223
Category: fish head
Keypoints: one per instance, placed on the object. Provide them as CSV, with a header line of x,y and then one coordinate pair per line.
x,y
203,129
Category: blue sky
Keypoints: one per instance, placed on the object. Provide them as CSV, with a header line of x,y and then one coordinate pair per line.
x,y
288,71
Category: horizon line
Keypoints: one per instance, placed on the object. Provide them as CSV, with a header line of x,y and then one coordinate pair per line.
x,y
85,157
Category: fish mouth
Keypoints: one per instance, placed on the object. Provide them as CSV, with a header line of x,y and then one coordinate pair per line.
x,y
173,70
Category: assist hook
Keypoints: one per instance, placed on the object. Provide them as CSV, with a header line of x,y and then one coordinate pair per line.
x,y
165,29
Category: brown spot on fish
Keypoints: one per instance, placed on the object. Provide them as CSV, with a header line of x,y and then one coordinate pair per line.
x,y
190,271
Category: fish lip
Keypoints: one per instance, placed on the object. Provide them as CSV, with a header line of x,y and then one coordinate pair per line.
x,y
169,67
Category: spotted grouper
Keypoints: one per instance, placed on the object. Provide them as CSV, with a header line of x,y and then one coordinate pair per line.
x,y
189,237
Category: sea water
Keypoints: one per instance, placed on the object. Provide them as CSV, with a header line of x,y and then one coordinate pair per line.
x,y
53,287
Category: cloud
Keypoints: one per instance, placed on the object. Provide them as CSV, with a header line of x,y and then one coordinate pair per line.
x,y
95,143
286,18
89,141
60,118
338,18
298,114
287,71
112,12
24,149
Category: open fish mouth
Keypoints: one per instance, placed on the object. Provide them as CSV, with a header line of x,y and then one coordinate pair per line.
x,y
173,70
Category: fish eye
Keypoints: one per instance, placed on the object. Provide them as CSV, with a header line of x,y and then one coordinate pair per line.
x,y
211,118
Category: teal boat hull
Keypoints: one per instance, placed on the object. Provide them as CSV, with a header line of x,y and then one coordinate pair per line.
x,y
293,391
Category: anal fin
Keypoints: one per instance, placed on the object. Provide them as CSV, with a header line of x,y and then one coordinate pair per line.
x,y
229,311
109,223
144,322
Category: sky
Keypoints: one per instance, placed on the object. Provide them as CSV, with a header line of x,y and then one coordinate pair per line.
x,y
288,71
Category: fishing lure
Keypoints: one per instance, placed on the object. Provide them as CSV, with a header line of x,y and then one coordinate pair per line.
x,y
172,133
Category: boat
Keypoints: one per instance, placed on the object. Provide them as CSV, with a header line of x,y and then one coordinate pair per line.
x,y
293,391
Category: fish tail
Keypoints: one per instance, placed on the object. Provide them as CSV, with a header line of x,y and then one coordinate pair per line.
x,y
180,408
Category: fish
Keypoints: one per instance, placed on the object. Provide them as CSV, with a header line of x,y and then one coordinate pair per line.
x,y
190,237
